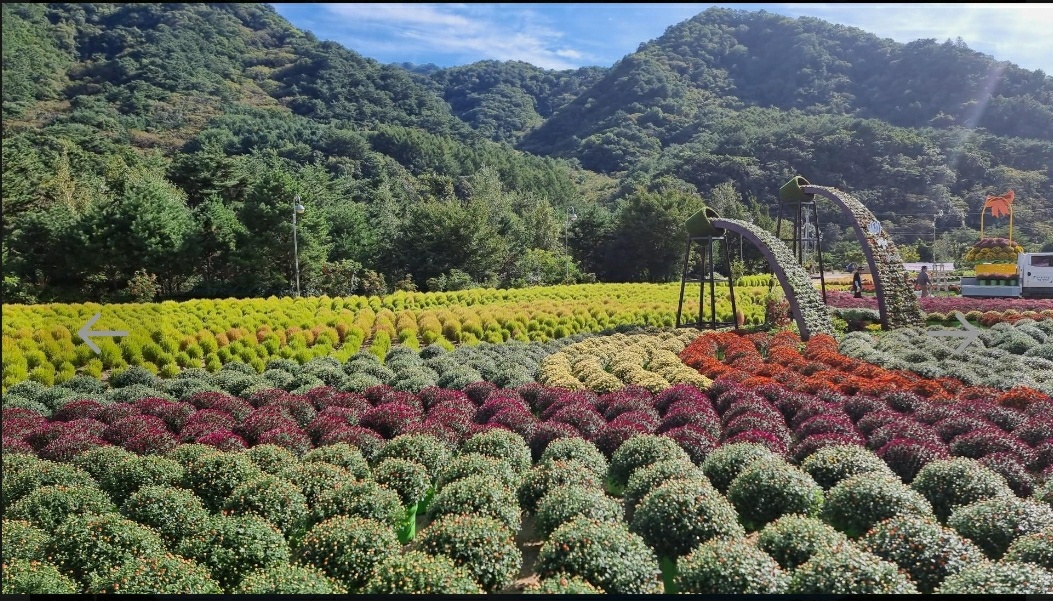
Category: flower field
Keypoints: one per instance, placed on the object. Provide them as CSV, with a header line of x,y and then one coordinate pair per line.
x,y
653,460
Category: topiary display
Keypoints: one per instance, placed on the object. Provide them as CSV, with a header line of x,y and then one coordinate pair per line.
x,y
421,448
729,566
770,488
561,584
481,545
233,546
165,574
49,506
680,514
348,548
855,505
125,477
604,554
365,499
316,478
577,449
1034,548
951,483
215,475
549,475
22,540
477,495
35,473
414,572
646,479
793,539
273,459
274,499
724,464
477,464
846,570
289,580
1003,578
922,548
640,451
995,523
175,513
85,545
343,455
830,465
24,577
565,503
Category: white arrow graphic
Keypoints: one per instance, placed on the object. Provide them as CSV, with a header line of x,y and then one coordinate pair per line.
x,y
86,333
970,333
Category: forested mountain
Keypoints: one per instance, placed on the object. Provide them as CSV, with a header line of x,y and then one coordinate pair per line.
x,y
157,148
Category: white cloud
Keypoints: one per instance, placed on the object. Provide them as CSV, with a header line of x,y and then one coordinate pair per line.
x,y
500,32
1019,33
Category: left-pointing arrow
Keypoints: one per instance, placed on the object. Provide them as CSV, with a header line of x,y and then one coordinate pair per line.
x,y
85,332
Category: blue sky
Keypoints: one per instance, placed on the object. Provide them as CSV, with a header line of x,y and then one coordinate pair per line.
x,y
566,36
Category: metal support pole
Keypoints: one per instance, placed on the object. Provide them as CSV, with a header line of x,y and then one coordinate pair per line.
x,y
731,285
683,281
819,251
712,288
296,250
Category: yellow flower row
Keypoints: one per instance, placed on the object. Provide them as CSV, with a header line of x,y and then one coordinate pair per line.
x,y
612,362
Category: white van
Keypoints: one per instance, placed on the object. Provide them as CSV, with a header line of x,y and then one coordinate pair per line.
x,y
1036,274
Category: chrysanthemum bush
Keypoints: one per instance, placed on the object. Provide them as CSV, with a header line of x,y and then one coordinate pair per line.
x,y
1034,548
729,565
477,464
481,545
174,513
234,546
413,572
1002,578
289,580
844,569
164,574
953,483
606,555
724,464
830,465
49,506
793,539
549,475
477,495
348,548
25,577
856,504
648,478
562,584
565,503
771,488
994,524
922,548
85,546
680,514
272,498
22,540
364,498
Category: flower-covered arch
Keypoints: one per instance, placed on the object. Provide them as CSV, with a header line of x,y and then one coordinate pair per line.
x,y
807,306
897,304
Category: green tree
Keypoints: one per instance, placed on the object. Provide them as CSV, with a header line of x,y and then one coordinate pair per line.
x,y
649,236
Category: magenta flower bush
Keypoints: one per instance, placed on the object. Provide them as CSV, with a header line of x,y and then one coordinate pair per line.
x,y
224,440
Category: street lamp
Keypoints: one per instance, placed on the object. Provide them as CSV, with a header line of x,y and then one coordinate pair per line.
x,y
297,210
572,215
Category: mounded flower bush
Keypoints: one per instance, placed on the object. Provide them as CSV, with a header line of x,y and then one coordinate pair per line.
x,y
577,449
565,503
952,483
175,513
316,478
273,459
348,548
274,499
86,545
414,572
793,539
906,457
729,566
646,479
855,505
640,451
481,545
1002,578
846,570
421,448
22,540
724,464
549,475
1033,548
830,465
995,523
289,580
24,577
166,574
605,555
365,498
681,514
477,464
768,489
36,473
477,495
921,547
407,478
235,546
126,477
214,476
561,584
49,506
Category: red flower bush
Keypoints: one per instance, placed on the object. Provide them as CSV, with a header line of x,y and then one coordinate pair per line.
x,y
268,417
680,392
949,428
613,404
368,442
696,442
902,428
774,443
611,437
374,394
259,398
497,404
175,415
520,421
70,444
826,423
906,456
647,419
433,395
402,397
154,441
391,419
224,440
479,392
129,427
583,418
930,413
114,413
292,439
861,405
238,408
546,432
1035,430
568,399
805,447
72,410
440,431
1021,397
981,443
876,419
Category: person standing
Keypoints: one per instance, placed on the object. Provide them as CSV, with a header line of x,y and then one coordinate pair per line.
x,y
923,281
857,282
